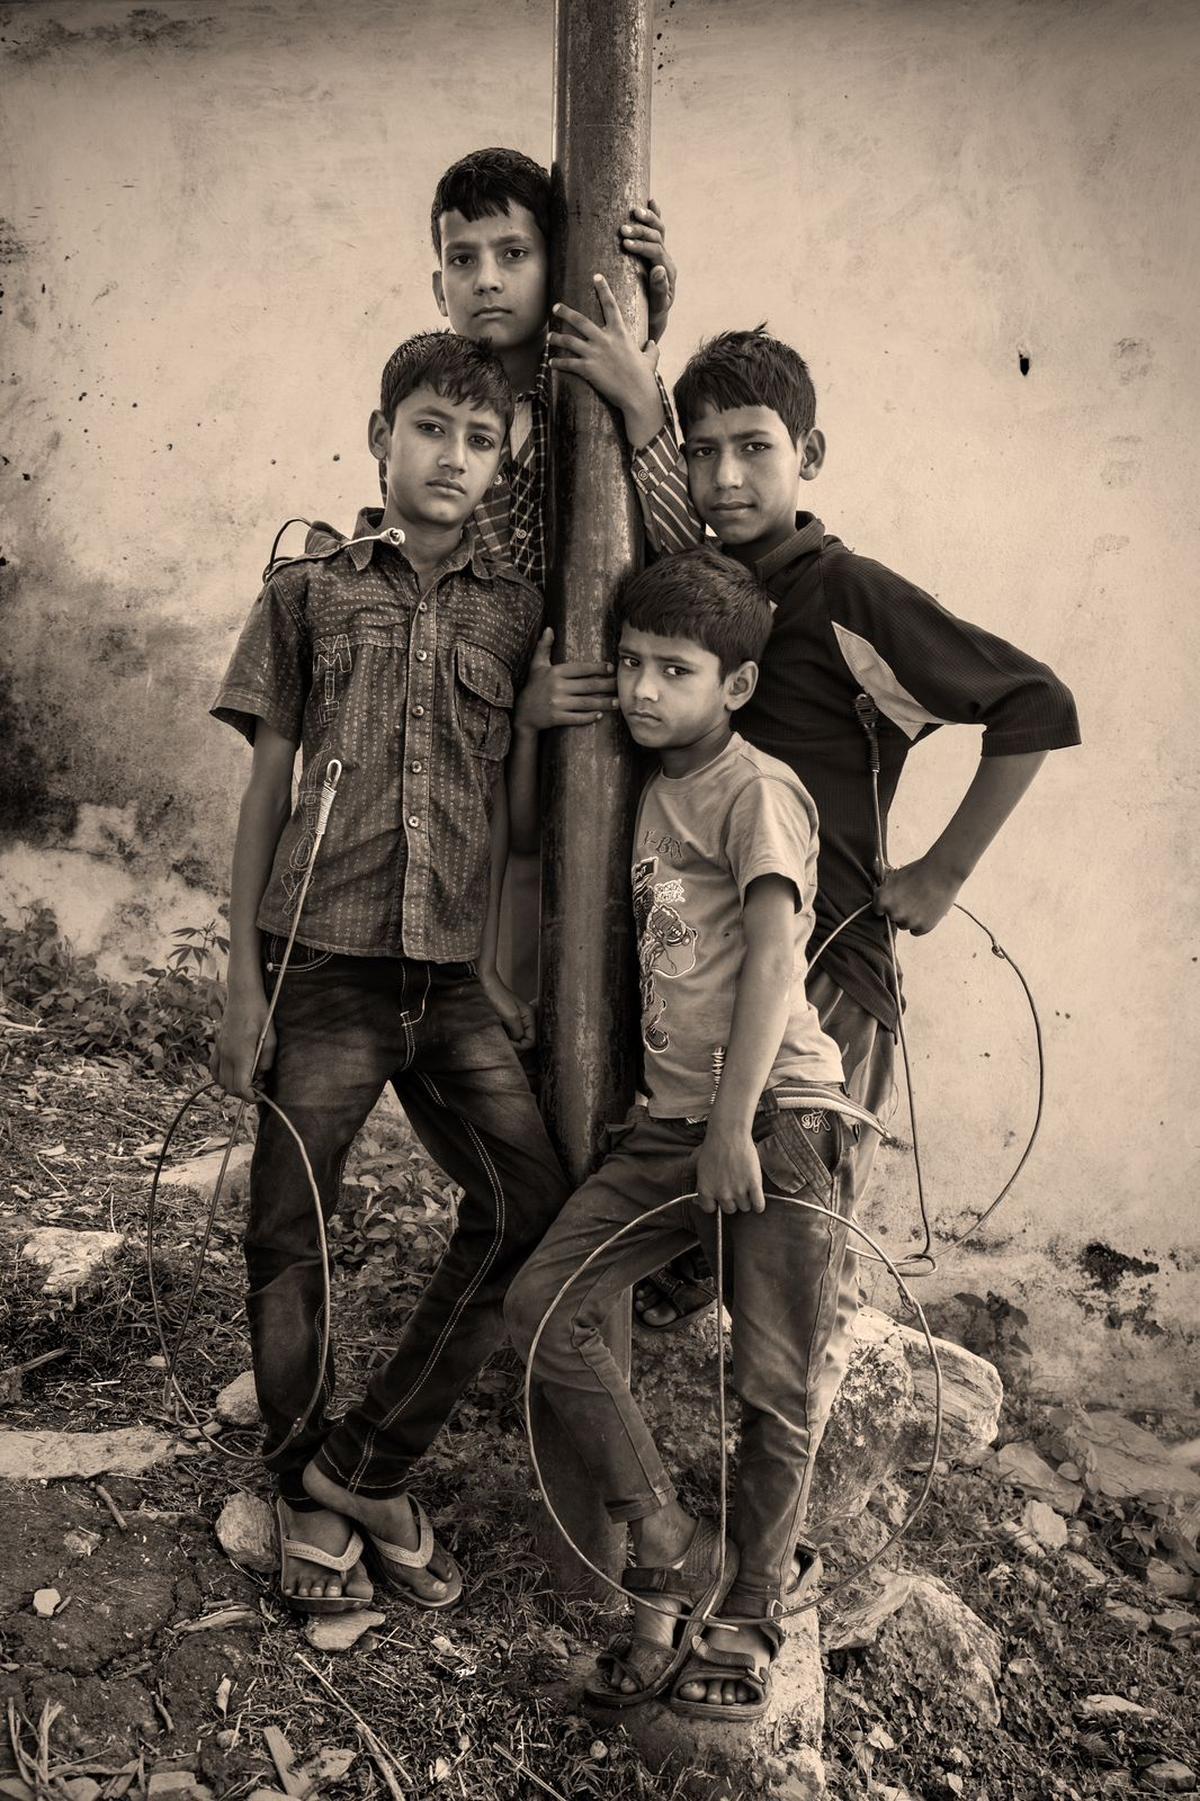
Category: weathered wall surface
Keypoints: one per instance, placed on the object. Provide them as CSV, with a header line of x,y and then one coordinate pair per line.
x,y
973,217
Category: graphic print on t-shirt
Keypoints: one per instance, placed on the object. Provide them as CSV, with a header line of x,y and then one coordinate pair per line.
x,y
666,945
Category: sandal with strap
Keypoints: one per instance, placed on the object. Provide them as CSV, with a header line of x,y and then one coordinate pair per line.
x,y
699,1580
340,1562
691,1297
705,1664
385,1560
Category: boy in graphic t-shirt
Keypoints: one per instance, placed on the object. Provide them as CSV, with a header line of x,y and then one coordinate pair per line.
x,y
742,1093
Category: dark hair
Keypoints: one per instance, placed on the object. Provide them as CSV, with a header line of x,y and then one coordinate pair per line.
x,y
701,595
456,368
488,182
748,368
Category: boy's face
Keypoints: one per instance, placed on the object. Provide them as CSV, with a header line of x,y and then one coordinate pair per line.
x,y
743,471
671,690
494,277
441,455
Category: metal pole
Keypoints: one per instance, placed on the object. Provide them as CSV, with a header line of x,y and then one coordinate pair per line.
x,y
602,77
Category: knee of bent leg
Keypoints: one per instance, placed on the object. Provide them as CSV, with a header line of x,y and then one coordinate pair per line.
x,y
523,1308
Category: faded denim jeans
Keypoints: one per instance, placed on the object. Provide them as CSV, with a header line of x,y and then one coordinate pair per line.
x,y
346,1027
783,1285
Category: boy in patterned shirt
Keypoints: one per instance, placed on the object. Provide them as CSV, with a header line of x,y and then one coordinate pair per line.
x,y
397,653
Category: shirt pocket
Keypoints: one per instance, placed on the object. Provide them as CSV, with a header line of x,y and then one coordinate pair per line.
x,y
483,699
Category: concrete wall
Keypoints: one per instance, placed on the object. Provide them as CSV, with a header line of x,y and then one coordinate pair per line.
x,y
218,231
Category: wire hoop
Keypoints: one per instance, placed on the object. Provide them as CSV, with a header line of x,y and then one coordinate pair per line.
x,y
907,1294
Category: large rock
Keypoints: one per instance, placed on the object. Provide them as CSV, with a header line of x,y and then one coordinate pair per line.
x,y
882,1422
882,1419
51,1456
70,1258
1123,1461
945,1648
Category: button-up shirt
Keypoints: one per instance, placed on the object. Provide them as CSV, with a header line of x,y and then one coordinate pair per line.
x,y
411,688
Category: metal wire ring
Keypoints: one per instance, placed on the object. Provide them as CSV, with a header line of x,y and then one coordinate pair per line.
x,y
172,1352
860,1569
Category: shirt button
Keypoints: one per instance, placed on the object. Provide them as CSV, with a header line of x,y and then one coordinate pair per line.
x,y
413,820
418,712
422,607
416,768
422,656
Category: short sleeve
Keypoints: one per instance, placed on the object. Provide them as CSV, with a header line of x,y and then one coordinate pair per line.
x,y
269,673
772,830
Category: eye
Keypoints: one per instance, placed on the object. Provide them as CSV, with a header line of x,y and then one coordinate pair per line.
x,y
627,660
758,445
481,443
514,254
694,454
429,425
459,260
674,669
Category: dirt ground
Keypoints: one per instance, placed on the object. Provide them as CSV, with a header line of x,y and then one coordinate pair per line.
x,y
161,1655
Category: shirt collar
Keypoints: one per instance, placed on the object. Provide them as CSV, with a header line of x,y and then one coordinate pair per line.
x,y
540,389
804,542
469,549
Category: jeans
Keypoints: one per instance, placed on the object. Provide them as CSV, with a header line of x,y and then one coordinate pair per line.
x,y
782,1270
868,1065
347,1026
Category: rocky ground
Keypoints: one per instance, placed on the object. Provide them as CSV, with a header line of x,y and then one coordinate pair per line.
x,y
1036,1635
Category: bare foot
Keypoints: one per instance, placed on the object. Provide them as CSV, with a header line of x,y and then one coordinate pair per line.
x,y
328,1531
393,1521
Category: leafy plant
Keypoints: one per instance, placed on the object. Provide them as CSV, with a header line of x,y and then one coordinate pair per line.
x,y
163,1021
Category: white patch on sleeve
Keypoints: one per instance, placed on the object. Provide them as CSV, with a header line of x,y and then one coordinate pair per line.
x,y
881,682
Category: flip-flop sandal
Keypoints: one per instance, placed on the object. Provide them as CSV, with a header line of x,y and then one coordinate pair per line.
x,y
690,1299
707,1665
698,1580
341,1563
386,1560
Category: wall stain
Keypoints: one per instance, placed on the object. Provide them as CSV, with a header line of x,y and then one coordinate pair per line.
x,y
1105,1268
145,27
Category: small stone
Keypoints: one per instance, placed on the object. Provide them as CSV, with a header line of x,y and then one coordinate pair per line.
x,y
599,1750
1135,1618
246,1533
1087,1572
157,1362
1045,1525
190,1433
1166,1579
237,1403
1175,1623
1019,1538
1111,1707
1070,1472
340,1631
70,1258
82,1543
1023,1466
82,1788
200,1173
46,1602
1170,1777
213,1429
181,1783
